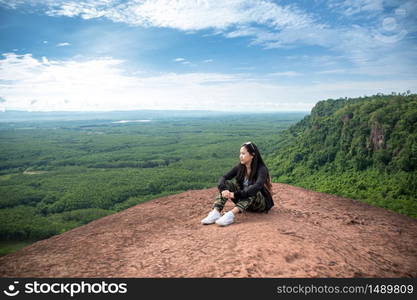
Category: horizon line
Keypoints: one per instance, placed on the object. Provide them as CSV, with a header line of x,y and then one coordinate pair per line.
x,y
165,110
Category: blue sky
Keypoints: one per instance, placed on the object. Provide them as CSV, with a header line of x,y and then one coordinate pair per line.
x,y
240,55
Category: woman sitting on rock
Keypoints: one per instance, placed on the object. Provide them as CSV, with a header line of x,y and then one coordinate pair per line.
x,y
252,190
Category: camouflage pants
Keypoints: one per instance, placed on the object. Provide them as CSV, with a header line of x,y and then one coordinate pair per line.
x,y
255,203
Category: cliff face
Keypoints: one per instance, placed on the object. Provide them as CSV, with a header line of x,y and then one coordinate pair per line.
x,y
377,138
306,234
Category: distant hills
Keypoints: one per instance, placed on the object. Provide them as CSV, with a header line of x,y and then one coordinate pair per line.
x,y
25,116
363,148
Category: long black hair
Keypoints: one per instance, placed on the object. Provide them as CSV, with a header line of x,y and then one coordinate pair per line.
x,y
256,163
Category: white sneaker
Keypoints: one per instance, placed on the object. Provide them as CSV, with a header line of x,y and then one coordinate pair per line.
x,y
226,219
212,217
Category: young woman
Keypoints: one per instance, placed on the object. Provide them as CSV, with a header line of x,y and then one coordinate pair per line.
x,y
252,190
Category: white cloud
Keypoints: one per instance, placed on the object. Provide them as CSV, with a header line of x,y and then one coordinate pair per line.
x,y
288,74
63,44
352,7
195,15
334,71
84,9
186,15
103,84
18,67
182,61
208,60
12,4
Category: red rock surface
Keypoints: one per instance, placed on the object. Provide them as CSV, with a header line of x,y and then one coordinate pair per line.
x,y
307,234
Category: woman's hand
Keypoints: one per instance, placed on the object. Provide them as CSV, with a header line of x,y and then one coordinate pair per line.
x,y
228,194
225,194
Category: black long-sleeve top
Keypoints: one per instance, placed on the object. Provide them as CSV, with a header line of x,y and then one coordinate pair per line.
x,y
252,189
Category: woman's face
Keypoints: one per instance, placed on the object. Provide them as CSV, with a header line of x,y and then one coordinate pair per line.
x,y
245,157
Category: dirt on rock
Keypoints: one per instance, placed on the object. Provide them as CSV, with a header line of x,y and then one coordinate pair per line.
x,y
306,234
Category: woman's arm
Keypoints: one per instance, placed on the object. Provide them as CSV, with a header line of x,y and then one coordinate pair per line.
x,y
253,188
229,175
